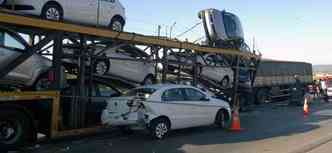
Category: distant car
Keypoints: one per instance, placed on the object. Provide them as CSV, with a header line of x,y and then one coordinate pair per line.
x,y
125,62
329,88
164,107
32,72
213,67
110,13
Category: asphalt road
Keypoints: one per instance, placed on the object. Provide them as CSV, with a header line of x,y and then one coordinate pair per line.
x,y
273,128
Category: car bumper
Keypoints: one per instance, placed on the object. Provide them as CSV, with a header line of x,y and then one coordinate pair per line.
x,y
119,119
19,7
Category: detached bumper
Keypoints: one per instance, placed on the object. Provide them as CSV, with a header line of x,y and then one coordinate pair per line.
x,y
118,119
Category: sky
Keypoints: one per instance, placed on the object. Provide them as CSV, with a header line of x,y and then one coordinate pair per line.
x,y
297,30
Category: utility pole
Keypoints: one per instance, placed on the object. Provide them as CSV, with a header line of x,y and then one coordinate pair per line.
x,y
171,30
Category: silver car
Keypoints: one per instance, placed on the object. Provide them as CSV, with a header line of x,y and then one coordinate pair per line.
x,y
221,27
31,72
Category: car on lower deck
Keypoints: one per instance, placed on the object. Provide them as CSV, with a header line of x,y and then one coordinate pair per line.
x,y
32,72
109,13
212,67
163,107
127,62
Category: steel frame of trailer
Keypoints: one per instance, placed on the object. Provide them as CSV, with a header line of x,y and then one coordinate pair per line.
x,y
79,35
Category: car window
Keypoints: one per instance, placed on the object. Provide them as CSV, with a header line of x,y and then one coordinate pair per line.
x,y
145,91
8,40
194,95
210,60
173,95
104,91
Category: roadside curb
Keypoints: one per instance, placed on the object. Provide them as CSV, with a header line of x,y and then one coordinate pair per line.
x,y
313,145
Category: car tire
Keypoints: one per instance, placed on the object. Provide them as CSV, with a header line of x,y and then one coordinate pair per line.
x,y
101,67
225,82
159,128
42,83
261,96
148,80
117,24
15,128
53,12
222,119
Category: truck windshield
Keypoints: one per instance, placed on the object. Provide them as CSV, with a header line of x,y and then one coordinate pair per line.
x,y
141,91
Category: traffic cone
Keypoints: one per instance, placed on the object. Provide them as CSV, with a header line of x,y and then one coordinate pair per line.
x,y
236,126
306,107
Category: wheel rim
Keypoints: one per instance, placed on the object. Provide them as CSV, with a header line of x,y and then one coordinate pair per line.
x,y
161,130
101,68
9,131
224,82
117,26
53,14
43,84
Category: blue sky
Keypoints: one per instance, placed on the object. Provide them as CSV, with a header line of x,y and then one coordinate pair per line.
x,y
286,30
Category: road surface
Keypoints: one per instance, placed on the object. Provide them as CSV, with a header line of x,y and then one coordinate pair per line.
x,y
272,128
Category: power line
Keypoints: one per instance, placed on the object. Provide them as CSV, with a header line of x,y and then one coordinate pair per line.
x,y
190,29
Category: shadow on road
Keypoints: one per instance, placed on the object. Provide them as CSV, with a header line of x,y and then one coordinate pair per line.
x,y
266,122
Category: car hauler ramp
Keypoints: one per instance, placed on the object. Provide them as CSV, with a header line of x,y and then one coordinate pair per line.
x,y
18,20
57,32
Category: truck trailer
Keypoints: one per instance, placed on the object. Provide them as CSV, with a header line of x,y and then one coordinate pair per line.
x,y
274,79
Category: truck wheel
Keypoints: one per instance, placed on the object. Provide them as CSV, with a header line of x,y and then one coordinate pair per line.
x,y
15,129
261,96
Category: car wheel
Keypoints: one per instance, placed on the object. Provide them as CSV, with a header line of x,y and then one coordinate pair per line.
x,y
222,120
101,67
117,24
159,128
15,128
225,82
148,80
42,83
52,12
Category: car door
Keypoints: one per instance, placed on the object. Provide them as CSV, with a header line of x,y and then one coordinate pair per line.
x,y
182,113
10,48
106,11
82,11
203,113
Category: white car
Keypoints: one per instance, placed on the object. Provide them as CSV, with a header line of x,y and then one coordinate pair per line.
x,y
110,13
125,62
213,67
164,107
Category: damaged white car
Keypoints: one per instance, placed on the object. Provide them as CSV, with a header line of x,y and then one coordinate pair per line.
x,y
161,108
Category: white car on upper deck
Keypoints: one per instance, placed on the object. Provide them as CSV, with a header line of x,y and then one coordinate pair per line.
x,y
163,107
110,13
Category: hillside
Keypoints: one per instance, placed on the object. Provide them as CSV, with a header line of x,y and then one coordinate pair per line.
x,y
322,69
